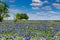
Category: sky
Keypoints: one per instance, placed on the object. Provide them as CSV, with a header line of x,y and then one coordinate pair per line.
x,y
36,9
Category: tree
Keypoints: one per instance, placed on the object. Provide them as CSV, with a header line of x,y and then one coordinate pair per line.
x,y
17,16
3,10
21,16
7,15
24,16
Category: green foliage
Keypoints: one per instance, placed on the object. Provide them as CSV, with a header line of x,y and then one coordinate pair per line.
x,y
7,15
9,39
21,16
1,18
3,10
17,16
15,20
49,38
24,16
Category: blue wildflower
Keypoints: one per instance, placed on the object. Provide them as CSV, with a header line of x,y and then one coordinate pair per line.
x,y
8,37
28,38
52,35
0,36
59,38
25,38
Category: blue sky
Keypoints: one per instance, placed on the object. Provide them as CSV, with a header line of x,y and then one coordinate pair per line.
x,y
36,9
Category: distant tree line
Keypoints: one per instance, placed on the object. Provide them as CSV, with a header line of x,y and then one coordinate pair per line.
x,y
5,14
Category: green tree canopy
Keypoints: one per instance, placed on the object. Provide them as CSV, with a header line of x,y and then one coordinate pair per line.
x,y
3,10
21,16
24,16
17,16
7,15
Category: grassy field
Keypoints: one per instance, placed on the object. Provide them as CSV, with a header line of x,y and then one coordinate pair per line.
x,y
30,30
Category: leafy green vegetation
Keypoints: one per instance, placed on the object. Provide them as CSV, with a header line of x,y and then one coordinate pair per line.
x,y
21,16
3,10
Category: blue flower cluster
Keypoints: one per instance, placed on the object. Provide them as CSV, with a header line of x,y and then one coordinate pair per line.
x,y
29,31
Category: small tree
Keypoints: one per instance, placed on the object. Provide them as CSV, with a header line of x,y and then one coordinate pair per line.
x,y
24,16
17,16
7,15
21,16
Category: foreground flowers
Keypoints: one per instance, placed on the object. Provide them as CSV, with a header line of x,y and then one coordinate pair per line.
x,y
24,31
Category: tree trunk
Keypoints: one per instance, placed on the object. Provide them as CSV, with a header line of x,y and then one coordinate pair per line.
x,y
1,19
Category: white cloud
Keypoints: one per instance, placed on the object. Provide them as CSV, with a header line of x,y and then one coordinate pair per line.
x,y
41,13
13,12
46,1
50,15
56,5
55,13
57,0
42,16
34,8
36,4
36,1
33,16
53,18
46,8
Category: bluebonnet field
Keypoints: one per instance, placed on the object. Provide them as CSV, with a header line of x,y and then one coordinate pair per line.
x,y
26,10
30,30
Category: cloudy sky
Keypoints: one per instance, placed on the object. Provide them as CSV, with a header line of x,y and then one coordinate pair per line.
x,y
36,9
